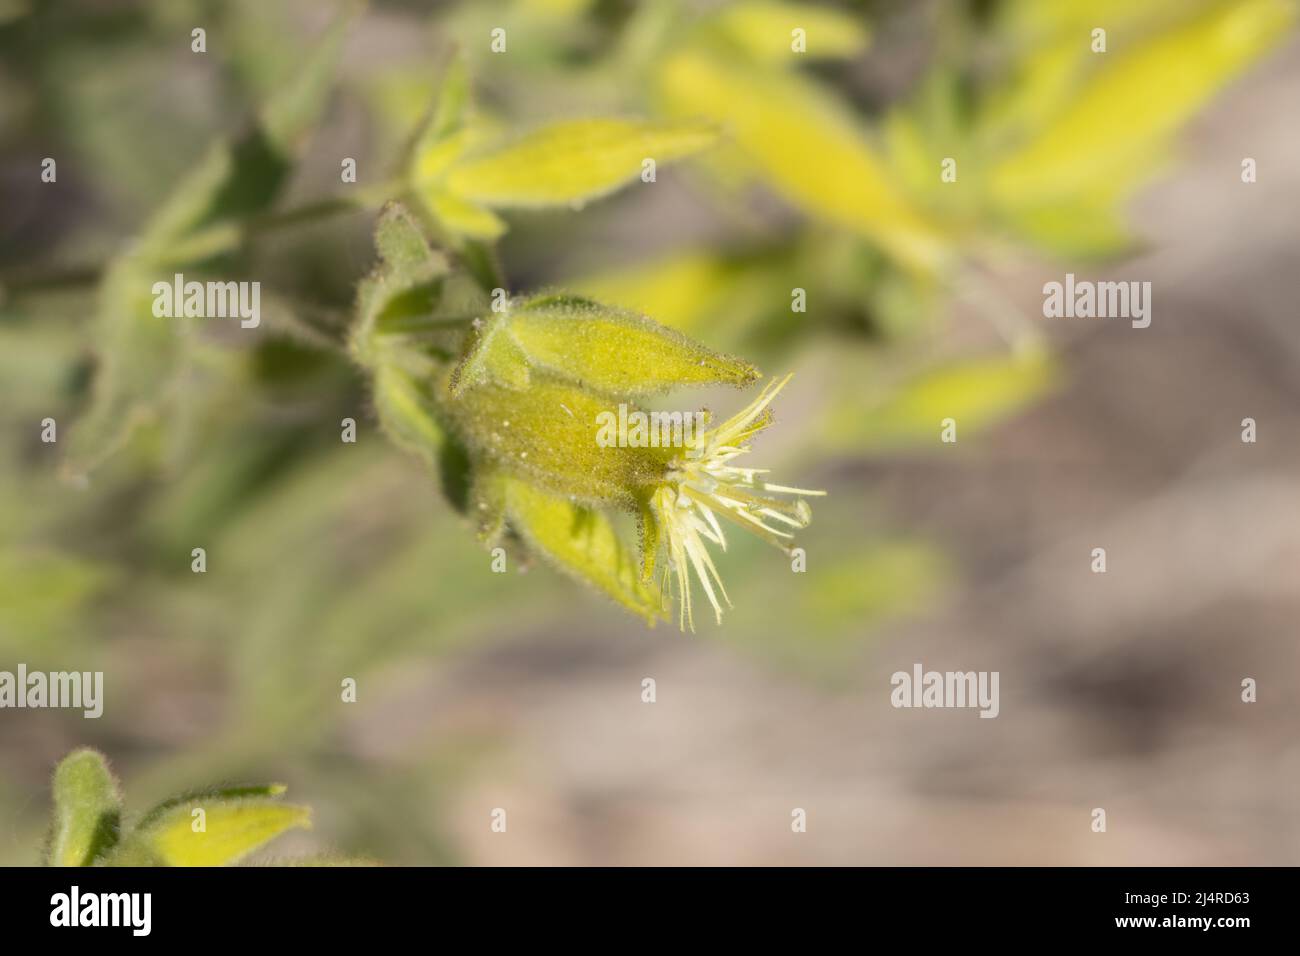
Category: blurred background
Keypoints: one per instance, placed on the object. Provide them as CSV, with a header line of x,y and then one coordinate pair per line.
x,y
477,690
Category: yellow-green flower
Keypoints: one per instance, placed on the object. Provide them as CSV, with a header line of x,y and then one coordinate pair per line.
x,y
703,485
506,403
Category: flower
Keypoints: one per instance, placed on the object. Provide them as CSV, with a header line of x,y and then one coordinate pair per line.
x,y
703,485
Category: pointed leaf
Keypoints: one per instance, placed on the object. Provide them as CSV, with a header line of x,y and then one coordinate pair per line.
x,y
572,161
763,29
615,351
232,829
976,393
492,355
806,146
406,282
1134,102
463,218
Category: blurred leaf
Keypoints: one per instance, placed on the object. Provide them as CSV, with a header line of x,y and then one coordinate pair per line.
x,y
87,810
142,356
1132,103
806,146
42,593
682,291
462,217
976,393
572,161
763,29
883,579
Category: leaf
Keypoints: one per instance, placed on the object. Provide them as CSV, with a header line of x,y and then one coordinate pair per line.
x,y
42,592
453,100
1090,225
139,357
210,793
807,147
405,284
233,828
616,351
572,161
583,544
608,350
87,810
463,218
762,28
406,413
682,291
293,111
1133,102
492,355
142,356
976,393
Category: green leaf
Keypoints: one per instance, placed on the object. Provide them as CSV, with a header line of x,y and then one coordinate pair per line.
x,y
572,161
210,793
583,544
405,283
87,810
1133,102
615,351
295,109
976,393
608,350
806,146
763,29
141,356
462,218
492,355
233,827
406,413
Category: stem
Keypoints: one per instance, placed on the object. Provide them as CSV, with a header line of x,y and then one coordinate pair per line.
x,y
205,242
1016,328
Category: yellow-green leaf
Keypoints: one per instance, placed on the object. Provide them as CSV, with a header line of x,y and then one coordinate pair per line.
x,y
806,146
583,544
231,829
615,351
492,355
572,161
462,218
406,413
764,30
1134,101
975,393
406,282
